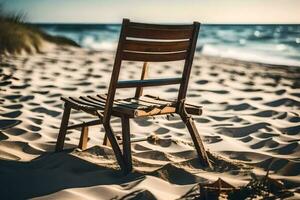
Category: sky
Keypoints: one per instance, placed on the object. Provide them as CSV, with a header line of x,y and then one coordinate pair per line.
x,y
172,11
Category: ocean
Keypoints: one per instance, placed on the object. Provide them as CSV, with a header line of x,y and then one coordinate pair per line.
x,y
273,44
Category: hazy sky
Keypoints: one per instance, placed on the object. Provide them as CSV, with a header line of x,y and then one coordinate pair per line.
x,y
112,11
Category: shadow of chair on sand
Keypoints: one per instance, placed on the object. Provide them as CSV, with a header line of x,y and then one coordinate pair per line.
x,y
52,172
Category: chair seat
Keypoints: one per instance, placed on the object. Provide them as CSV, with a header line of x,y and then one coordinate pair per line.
x,y
143,106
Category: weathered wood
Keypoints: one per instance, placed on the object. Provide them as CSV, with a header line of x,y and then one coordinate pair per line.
x,y
115,74
188,64
144,106
91,104
63,128
146,43
119,109
153,57
83,102
158,33
92,101
83,138
144,75
142,109
190,108
189,122
154,46
161,26
148,82
126,143
154,111
115,146
197,141
89,123
126,107
75,104
134,140
105,141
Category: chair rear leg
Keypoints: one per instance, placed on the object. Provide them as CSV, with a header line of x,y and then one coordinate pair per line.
x,y
105,139
115,146
83,138
126,143
189,122
63,128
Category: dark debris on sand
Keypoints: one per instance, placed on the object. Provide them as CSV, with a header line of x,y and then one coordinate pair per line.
x,y
257,188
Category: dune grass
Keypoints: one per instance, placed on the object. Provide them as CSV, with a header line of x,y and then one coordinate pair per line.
x,y
16,35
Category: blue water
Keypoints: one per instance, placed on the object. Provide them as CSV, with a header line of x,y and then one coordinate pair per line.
x,y
275,44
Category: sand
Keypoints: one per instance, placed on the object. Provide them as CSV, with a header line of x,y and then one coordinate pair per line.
x,y
250,123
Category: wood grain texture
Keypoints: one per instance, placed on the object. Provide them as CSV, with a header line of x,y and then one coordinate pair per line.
x,y
153,57
148,82
158,33
155,46
63,128
144,75
83,138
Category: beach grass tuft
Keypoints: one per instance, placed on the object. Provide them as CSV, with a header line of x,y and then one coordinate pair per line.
x,y
16,35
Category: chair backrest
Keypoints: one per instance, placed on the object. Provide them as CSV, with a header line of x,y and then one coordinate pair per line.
x,y
153,43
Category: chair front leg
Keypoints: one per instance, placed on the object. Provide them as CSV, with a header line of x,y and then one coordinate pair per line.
x,y
115,146
63,128
190,124
126,143
83,138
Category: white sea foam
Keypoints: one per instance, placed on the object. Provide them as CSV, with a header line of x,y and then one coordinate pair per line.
x,y
92,43
275,44
248,55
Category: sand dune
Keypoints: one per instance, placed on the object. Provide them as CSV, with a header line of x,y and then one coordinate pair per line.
x,y
250,122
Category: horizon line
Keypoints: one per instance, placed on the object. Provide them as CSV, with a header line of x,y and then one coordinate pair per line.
x,y
115,23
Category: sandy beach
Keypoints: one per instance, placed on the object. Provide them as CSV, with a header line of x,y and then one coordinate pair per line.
x,y
250,123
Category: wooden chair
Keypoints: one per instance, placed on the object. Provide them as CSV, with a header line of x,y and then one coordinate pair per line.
x,y
146,43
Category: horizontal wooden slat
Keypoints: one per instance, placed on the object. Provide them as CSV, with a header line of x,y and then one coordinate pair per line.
x,y
148,82
120,103
76,104
89,99
155,111
89,123
190,108
152,46
161,26
144,106
158,34
86,103
147,57
137,109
